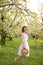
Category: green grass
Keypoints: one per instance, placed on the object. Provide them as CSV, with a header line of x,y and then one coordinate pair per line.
x,y
9,51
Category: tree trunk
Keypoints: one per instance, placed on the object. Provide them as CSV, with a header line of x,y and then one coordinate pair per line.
x,y
3,37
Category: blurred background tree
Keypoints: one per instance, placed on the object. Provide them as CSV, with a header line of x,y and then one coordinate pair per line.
x,y
13,15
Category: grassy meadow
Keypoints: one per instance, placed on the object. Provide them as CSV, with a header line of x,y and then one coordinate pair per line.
x,y
9,51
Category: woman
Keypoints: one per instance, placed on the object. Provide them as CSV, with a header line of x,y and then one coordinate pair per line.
x,y
24,47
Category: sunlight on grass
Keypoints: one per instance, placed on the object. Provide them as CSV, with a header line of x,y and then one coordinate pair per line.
x,y
9,52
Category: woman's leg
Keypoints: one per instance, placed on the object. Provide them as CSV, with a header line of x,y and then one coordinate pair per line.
x,y
22,58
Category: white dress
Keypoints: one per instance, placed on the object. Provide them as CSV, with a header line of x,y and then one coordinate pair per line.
x,y
24,44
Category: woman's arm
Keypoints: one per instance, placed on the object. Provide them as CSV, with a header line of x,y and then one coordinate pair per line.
x,y
29,33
